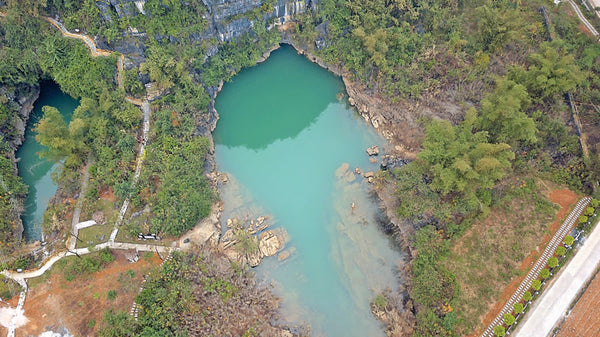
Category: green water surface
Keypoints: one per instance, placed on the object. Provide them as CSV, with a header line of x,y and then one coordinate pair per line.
x,y
281,137
37,172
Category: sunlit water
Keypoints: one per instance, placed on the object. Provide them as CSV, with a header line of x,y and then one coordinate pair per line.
x,y
281,137
36,172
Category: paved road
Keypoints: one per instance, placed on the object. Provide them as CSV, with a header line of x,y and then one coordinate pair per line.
x,y
583,19
555,301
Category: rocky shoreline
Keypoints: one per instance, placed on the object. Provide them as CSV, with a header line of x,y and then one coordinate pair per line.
x,y
22,99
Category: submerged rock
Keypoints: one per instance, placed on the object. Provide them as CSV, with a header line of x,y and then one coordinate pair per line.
x,y
373,150
269,244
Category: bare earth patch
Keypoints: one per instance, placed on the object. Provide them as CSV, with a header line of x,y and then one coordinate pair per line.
x,y
78,306
582,321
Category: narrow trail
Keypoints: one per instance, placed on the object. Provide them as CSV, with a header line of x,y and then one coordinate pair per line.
x,y
72,240
541,262
90,43
71,243
13,321
138,168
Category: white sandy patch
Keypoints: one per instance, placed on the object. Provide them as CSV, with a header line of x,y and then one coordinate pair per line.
x,y
55,334
6,315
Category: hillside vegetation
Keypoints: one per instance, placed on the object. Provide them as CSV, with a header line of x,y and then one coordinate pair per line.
x,y
506,69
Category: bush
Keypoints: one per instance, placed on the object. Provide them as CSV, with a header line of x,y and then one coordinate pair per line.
x,y
544,273
569,240
560,251
527,296
553,262
499,331
518,307
509,319
380,302
106,255
536,285
111,295
589,211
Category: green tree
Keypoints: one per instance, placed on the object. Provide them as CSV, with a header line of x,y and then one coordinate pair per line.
x,y
502,114
509,319
499,331
594,203
536,285
560,250
569,240
544,273
53,132
518,307
589,211
460,160
553,262
552,71
583,219
527,296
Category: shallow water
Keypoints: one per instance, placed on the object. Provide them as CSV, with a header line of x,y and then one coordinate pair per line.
x,y
37,172
281,136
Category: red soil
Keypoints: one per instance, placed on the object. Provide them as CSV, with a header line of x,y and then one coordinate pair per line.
x,y
57,303
582,321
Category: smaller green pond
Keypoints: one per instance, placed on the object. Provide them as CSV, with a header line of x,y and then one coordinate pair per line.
x,y
290,148
35,171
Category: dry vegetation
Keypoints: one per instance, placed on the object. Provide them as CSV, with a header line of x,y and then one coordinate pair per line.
x,y
78,305
500,248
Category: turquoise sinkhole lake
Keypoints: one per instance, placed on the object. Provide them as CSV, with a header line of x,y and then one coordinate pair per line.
x,y
289,148
35,171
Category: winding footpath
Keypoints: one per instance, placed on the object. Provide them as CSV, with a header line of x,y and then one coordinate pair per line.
x,y
541,262
21,278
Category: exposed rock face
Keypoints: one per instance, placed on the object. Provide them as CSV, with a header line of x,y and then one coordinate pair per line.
x,y
208,230
373,151
20,99
269,244
390,162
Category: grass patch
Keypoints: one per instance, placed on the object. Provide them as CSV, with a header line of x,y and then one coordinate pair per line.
x,y
94,235
489,254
